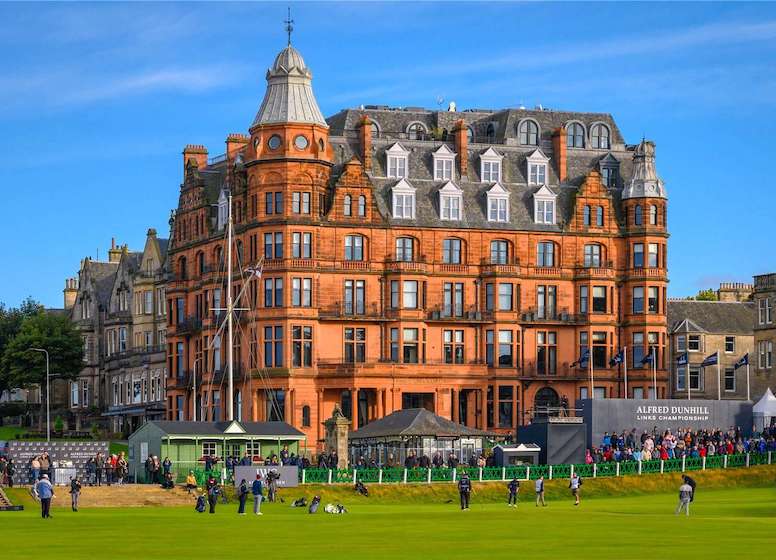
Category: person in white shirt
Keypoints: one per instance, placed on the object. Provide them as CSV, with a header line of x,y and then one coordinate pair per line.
x,y
575,484
539,485
685,495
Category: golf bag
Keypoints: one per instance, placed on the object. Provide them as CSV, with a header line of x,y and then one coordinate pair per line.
x,y
314,504
201,503
301,502
336,509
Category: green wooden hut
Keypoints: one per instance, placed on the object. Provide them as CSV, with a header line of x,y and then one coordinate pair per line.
x,y
186,443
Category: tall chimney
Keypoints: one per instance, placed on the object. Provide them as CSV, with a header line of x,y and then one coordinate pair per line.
x,y
460,132
114,253
559,150
365,135
198,153
70,292
234,143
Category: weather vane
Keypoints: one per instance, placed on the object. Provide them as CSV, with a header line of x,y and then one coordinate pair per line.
x,y
289,25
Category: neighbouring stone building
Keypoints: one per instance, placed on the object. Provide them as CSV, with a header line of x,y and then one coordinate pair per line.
x,y
762,359
458,261
735,291
701,328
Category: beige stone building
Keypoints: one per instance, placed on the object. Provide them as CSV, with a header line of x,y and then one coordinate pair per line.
x,y
762,359
735,291
701,328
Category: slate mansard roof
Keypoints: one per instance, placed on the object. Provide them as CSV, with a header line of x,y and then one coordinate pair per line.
x,y
714,317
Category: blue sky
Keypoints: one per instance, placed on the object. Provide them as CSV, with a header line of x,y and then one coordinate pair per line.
x,y
98,100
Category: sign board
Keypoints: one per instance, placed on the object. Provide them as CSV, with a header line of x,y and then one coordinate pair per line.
x,y
75,452
606,415
289,476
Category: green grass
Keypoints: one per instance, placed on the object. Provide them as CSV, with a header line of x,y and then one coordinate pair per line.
x,y
9,432
725,523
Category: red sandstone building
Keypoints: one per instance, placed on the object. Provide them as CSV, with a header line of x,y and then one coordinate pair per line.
x,y
459,261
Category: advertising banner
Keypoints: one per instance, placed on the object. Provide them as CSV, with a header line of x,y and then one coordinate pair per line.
x,y
289,476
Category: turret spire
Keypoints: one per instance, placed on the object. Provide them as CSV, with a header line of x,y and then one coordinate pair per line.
x,y
289,25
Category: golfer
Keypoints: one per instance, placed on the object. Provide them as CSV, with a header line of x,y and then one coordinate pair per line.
x,y
514,488
258,495
45,492
692,484
242,494
539,485
464,489
75,492
685,496
575,483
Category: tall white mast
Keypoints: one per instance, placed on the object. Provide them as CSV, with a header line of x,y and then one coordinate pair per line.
x,y
229,310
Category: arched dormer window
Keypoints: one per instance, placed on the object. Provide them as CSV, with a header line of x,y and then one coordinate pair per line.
x,y
638,215
416,131
545,254
375,129
528,133
599,137
347,209
575,135
362,206
469,134
593,255
652,215
405,249
355,247
499,251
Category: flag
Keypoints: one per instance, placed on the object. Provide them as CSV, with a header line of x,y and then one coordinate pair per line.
x,y
682,359
254,271
582,359
647,359
710,360
617,359
744,361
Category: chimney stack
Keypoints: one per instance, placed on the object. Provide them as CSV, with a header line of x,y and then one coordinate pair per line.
x,y
460,132
70,292
365,135
198,153
559,150
234,143
114,253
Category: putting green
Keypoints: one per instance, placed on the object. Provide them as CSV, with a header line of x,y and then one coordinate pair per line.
x,y
723,524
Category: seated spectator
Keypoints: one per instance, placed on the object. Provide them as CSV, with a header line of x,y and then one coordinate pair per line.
x,y
191,482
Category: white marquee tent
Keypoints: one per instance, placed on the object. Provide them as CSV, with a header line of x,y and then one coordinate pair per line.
x,y
764,411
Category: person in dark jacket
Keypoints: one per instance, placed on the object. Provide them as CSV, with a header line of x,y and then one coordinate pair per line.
x,y
242,494
212,496
464,490
692,484
514,488
258,495
75,492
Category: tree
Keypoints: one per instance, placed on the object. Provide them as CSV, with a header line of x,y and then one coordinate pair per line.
x,y
10,322
54,332
706,295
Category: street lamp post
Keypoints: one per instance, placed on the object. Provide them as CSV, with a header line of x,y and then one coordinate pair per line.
x,y
48,394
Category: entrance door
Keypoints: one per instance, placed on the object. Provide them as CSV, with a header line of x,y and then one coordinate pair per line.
x,y
546,403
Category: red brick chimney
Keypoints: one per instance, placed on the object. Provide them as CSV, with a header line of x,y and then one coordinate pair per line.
x,y
198,153
559,151
460,132
234,143
365,135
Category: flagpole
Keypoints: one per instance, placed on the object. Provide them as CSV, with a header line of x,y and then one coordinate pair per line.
x,y
687,374
719,380
654,372
747,379
590,363
625,365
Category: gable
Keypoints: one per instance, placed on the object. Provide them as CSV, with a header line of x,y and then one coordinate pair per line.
x,y
234,428
545,193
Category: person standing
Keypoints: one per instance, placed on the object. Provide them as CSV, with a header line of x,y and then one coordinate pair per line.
x,y
212,494
258,495
35,469
575,483
10,470
45,492
514,488
242,494
685,496
99,466
692,484
464,490
539,486
75,492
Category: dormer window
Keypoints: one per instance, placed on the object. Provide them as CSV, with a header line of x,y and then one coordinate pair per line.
x,y
444,159
609,167
403,200
416,131
528,133
599,137
490,166
450,202
397,158
544,206
498,204
537,168
575,135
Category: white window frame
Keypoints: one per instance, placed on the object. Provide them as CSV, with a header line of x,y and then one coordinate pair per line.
x,y
690,338
491,166
498,204
403,197
397,162
544,204
450,202
537,168
444,163
732,340
223,210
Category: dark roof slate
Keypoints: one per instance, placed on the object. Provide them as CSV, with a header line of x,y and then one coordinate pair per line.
x,y
413,422
712,316
217,428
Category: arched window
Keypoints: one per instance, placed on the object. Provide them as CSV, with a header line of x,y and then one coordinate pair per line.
x,y
529,133
219,257
354,247
416,131
545,253
499,252
239,252
200,263
599,136
587,215
575,136
469,134
362,206
348,208
306,416
182,268
593,257
638,215
375,128
405,249
599,216
652,215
